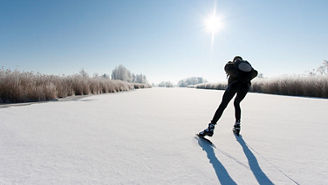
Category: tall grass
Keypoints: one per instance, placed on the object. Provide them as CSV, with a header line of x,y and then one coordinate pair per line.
x,y
217,86
309,86
18,86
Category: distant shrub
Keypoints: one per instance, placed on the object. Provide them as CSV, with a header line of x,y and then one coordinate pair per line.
x,y
18,86
165,84
217,86
141,85
191,81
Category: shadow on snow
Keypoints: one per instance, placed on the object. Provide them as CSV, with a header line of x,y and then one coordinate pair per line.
x,y
253,164
220,170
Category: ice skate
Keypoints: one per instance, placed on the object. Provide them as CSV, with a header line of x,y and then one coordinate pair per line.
x,y
236,128
207,132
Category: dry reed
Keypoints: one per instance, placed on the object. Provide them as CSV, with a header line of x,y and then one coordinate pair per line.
x,y
16,86
308,86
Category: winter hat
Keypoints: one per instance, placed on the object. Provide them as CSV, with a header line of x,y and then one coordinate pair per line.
x,y
237,58
245,67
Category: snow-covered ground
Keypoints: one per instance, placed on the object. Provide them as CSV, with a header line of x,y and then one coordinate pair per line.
x,y
147,136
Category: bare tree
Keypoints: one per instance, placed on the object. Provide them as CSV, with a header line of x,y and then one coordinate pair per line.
x,y
323,69
84,74
260,75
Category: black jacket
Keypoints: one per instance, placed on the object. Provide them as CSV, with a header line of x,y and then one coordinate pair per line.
x,y
236,75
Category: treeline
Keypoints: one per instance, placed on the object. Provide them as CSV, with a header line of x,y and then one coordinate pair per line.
x,y
183,83
16,86
167,84
191,81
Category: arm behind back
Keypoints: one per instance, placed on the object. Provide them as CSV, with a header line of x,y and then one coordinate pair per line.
x,y
231,69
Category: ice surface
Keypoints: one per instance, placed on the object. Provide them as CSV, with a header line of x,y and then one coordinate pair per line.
x,y
147,136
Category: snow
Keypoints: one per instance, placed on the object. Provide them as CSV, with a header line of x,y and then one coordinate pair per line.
x,y
147,136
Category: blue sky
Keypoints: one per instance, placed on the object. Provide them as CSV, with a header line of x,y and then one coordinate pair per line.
x,y
165,40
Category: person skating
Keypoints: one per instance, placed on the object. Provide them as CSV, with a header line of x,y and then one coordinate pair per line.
x,y
240,73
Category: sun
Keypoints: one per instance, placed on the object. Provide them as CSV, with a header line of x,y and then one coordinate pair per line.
x,y
213,24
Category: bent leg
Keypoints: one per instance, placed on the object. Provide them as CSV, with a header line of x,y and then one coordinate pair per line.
x,y
241,93
227,96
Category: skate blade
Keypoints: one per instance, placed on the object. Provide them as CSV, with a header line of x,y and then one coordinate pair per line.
x,y
203,138
236,132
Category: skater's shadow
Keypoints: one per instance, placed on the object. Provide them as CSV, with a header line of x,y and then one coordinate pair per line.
x,y
253,164
220,171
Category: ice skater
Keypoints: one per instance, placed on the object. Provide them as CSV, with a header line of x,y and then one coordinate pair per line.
x,y
240,73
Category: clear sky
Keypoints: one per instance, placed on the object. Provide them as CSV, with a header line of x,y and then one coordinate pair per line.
x,y
165,40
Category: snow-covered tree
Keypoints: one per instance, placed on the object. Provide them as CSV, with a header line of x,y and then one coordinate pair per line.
x,y
105,76
191,81
122,73
321,70
139,78
165,84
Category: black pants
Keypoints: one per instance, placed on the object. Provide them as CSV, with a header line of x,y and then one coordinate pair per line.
x,y
238,88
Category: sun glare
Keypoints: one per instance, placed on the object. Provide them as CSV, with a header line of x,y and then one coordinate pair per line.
x,y
213,24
